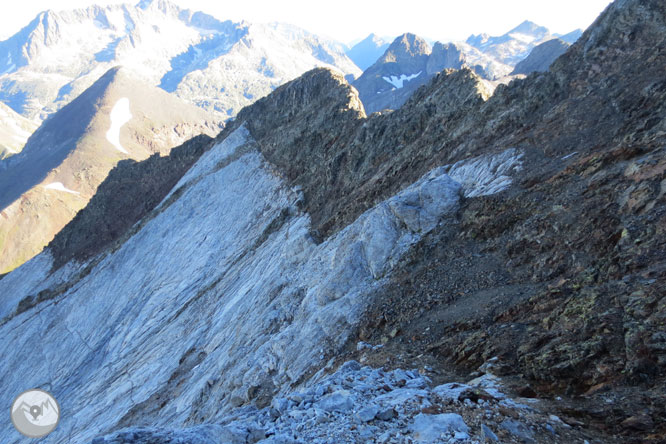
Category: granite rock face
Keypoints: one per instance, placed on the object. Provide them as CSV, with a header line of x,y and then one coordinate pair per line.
x,y
229,243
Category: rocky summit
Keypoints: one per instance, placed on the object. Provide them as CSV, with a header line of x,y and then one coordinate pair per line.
x,y
477,265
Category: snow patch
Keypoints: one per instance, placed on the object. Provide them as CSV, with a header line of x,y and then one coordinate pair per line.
x,y
120,115
399,81
524,38
58,186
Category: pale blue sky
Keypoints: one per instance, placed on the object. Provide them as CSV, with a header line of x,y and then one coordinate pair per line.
x,y
346,20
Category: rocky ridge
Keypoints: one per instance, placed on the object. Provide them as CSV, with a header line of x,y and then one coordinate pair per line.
x,y
556,247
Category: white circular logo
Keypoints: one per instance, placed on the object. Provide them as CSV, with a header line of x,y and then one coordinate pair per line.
x,y
35,413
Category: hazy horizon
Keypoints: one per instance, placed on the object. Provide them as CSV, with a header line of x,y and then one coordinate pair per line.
x,y
347,21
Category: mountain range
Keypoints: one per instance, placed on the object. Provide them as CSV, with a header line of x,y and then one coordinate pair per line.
x,y
199,58
410,62
477,265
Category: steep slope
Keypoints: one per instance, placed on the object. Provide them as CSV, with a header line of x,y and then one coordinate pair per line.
x,y
513,46
230,233
14,131
70,154
60,54
571,37
541,57
520,235
367,51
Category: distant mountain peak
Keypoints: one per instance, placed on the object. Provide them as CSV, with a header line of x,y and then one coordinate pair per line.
x,y
407,45
530,28
513,46
374,38
161,5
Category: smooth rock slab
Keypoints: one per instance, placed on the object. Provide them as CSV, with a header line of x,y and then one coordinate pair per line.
x,y
368,413
429,428
339,401
518,429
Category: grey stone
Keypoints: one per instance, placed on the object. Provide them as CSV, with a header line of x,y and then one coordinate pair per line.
x,y
368,413
488,434
518,429
350,366
429,428
339,401
387,414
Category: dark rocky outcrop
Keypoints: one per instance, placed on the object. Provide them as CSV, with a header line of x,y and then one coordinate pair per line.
x,y
541,57
345,163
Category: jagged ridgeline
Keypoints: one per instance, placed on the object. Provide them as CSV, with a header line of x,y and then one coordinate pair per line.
x,y
519,234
